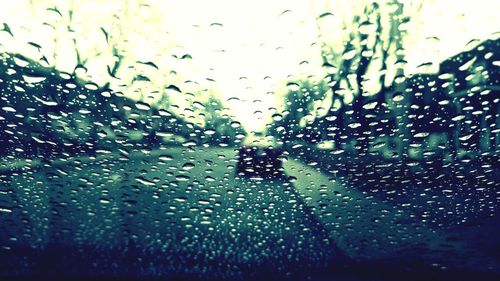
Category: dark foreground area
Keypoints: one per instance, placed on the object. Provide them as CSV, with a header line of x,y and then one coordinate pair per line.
x,y
127,264
186,214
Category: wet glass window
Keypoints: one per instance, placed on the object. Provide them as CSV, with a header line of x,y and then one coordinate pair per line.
x,y
249,140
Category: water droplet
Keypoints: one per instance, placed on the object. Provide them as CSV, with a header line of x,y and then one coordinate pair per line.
x,y
325,15
9,109
370,105
142,106
235,124
188,166
182,178
172,89
349,54
91,86
277,117
34,79
5,209
209,132
397,98
293,86
180,199
165,157
144,181
189,143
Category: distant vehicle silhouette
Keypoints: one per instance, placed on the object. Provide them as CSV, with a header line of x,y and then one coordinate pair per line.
x,y
260,156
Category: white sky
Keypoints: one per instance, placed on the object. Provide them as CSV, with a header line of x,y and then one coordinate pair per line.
x,y
255,51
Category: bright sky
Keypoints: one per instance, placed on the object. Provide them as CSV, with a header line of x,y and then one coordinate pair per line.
x,y
242,51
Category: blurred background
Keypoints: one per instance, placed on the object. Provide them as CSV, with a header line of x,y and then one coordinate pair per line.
x,y
387,112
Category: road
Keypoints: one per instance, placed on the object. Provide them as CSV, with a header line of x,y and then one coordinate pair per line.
x,y
184,213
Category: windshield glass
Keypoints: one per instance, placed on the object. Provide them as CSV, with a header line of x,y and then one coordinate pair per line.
x,y
249,140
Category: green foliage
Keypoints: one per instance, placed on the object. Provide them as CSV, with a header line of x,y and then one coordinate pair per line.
x,y
49,112
301,107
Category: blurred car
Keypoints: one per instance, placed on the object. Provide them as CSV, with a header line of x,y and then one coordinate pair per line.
x,y
261,156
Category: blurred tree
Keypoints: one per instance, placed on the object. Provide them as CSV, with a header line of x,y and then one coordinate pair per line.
x,y
109,51
219,128
472,77
429,113
376,99
371,59
365,69
301,108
